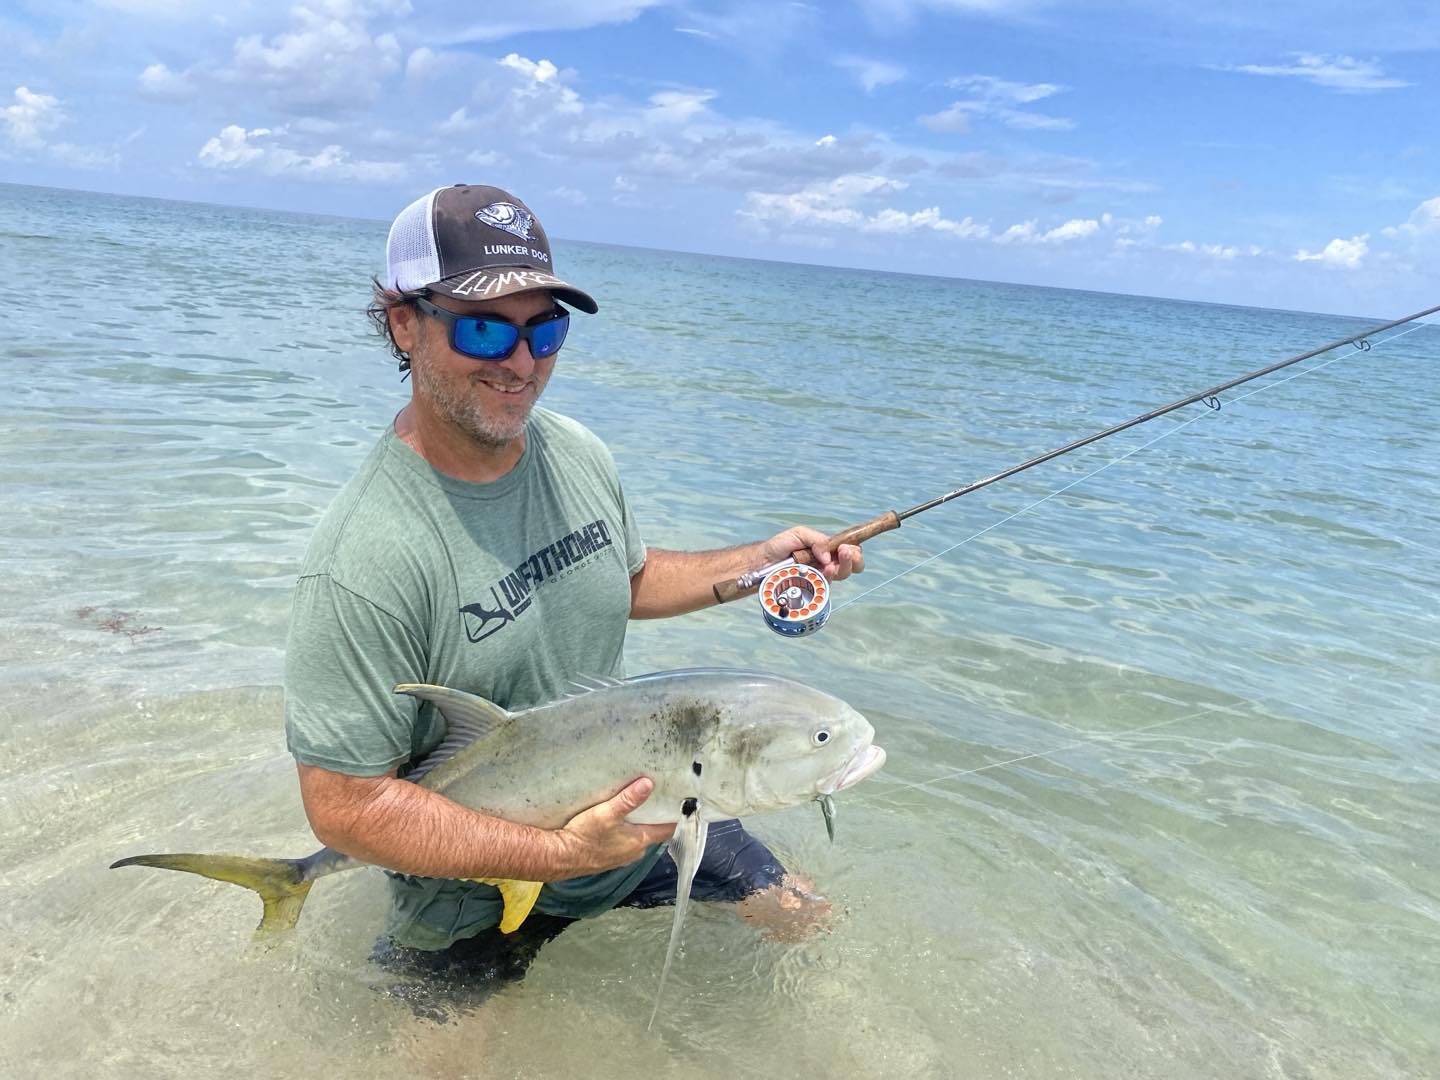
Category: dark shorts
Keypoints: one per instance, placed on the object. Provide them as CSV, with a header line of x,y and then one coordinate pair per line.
x,y
440,983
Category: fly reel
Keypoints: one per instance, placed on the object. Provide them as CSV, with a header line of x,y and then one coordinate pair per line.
x,y
795,600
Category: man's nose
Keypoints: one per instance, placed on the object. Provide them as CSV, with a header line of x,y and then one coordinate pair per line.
x,y
520,362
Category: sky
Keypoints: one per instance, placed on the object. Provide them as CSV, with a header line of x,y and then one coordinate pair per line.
x,y
1280,154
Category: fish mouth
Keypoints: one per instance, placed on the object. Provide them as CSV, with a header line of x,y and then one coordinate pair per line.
x,y
860,766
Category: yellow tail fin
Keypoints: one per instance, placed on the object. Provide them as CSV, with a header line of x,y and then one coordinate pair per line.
x,y
281,883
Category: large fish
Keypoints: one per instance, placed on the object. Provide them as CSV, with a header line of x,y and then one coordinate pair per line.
x,y
718,744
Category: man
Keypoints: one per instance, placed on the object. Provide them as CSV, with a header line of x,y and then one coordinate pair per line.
x,y
486,545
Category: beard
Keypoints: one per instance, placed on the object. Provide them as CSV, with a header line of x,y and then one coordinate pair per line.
x,y
459,401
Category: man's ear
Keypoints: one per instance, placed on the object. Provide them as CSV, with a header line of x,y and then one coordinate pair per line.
x,y
404,326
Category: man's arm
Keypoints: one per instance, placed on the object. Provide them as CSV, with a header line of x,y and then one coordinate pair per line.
x,y
674,582
405,827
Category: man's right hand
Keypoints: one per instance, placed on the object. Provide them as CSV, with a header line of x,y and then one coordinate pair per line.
x,y
601,839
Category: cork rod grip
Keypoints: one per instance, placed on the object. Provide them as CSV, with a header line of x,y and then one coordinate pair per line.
x,y
725,591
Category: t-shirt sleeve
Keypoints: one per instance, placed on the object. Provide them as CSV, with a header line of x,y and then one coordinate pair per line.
x,y
634,545
345,655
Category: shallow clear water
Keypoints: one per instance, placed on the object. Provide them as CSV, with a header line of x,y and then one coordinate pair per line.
x,y
1163,785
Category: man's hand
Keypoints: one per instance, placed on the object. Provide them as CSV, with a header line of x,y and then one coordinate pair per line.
x,y
601,839
847,559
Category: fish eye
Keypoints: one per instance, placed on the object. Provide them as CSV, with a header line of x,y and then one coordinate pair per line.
x,y
821,737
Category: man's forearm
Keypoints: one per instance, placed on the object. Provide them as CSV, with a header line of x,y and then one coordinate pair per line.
x,y
404,827
674,582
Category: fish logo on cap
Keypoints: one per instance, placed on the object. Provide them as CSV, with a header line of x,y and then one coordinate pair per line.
x,y
513,219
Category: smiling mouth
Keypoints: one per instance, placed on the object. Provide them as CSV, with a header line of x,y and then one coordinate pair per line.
x,y
505,389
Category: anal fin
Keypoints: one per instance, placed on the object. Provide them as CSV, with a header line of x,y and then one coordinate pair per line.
x,y
519,897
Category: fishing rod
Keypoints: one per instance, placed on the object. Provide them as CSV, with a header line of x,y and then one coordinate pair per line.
x,y
795,597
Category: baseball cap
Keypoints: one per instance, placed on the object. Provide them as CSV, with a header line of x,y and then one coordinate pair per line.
x,y
474,242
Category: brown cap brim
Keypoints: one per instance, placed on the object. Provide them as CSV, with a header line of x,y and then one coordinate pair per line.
x,y
490,282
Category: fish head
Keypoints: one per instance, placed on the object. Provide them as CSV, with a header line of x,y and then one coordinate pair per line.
x,y
791,745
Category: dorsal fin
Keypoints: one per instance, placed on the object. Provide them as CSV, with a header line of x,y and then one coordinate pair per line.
x,y
587,683
467,718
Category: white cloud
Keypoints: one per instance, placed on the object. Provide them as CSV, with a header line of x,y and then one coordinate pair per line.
x,y
1075,229
425,64
829,202
542,83
30,117
327,61
889,13
237,148
952,121
1343,73
486,159
871,74
457,123
679,106
232,148
1424,221
541,71
992,89
1214,251
995,99
159,83
1028,232
169,9
570,195
25,125
897,221
506,20
839,203
1344,254
1029,121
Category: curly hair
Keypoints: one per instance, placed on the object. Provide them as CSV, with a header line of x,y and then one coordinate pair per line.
x,y
382,301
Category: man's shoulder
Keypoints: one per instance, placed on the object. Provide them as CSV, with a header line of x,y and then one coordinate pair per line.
x,y
565,431
368,514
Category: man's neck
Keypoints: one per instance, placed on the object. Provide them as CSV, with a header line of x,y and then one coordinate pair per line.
x,y
453,452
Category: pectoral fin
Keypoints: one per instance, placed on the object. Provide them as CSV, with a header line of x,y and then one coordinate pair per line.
x,y
686,848
519,897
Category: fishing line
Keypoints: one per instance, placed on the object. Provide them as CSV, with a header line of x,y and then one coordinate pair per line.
x,y
1363,344
1115,461
804,612
1088,740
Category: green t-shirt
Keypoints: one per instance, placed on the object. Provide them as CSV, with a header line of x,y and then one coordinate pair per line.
x,y
508,590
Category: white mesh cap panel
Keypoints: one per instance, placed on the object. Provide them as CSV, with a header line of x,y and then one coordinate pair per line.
x,y
412,260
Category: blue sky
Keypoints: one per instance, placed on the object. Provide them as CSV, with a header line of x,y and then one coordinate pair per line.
x,y
1279,154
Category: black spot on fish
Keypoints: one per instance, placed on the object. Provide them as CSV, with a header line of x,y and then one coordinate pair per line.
x,y
691,724
696,767
688,807
748,745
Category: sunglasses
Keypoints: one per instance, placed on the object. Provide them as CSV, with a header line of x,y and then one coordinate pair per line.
x,y
489,338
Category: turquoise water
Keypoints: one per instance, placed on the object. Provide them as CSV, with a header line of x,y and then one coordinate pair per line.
x,y
1164,781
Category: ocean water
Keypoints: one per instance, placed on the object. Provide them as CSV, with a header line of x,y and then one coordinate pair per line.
x,y
1163,788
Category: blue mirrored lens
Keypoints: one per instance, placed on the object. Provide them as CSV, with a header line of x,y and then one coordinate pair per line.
x,y
485,338
494,339
547,337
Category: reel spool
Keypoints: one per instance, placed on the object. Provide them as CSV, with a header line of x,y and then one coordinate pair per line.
x,y
795,600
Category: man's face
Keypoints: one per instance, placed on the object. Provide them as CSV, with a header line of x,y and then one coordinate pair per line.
x,y
486,400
